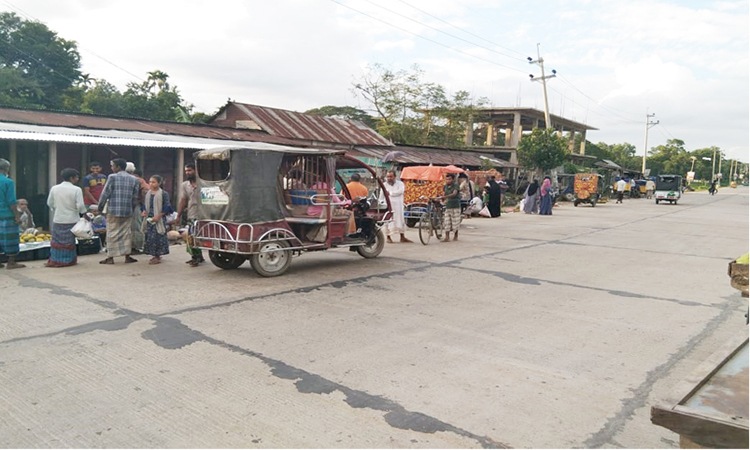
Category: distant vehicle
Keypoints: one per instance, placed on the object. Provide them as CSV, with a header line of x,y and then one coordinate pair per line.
x,y
587,187
668,188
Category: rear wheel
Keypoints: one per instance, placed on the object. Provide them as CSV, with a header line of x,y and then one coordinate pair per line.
x,y
575,203
374,247
425,228
437,224
657,201
226,261
273,259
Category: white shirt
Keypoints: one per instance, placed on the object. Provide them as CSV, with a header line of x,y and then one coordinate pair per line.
x,y
621,185
650,185
66,202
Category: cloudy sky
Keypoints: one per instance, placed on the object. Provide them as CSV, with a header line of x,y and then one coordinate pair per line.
x,y
686,61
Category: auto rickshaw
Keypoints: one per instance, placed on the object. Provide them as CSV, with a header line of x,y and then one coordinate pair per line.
x,y
586,188
420,184
267,203
668,188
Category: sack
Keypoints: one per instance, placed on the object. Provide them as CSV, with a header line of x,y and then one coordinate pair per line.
x,y
485,212
83,229
172,218
522,205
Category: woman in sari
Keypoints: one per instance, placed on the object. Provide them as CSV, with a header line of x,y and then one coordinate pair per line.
x,y
66,202
545,204
154,211
530,198
494,196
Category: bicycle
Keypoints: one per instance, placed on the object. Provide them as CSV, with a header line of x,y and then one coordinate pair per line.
x,y
431,221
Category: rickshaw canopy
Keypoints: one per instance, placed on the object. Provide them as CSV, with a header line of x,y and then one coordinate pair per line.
x,y
428,173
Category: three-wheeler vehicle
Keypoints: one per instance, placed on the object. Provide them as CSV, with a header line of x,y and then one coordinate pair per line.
x,y
586,187
266,203
668,189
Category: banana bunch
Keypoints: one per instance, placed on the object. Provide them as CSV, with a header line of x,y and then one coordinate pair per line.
x,y
33,235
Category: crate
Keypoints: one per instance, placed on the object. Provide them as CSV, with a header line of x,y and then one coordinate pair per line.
x,y
89,246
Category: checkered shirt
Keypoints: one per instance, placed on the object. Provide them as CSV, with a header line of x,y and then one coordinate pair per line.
x,y
122,192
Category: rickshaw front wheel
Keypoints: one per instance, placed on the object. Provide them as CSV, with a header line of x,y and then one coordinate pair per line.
x,y
226,261
273,258
373,248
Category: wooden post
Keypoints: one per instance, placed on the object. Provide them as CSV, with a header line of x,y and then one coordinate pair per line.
x,y
13,161
52,170
141,155
179,174
84,160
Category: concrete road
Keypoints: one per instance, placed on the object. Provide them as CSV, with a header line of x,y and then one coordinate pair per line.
x,y
530,331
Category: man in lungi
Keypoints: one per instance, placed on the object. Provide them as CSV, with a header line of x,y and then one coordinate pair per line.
x,y
452,214
120,196
10,217
395,190
189,202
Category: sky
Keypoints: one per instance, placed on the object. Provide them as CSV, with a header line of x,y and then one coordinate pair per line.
x,y
616,61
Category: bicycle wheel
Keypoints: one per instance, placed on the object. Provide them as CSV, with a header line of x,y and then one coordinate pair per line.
x,y
437,223
425,228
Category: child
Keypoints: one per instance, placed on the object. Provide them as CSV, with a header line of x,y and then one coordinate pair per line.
x,y
154,210
98,223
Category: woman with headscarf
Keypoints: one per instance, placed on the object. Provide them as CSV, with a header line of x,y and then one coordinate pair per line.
x,y
494,194
545,204
531,197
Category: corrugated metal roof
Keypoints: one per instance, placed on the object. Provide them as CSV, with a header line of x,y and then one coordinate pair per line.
x,y
18,131
432,155
291,124
72,120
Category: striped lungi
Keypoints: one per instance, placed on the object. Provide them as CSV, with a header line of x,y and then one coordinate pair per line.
x,y
9,237
451,219
119,236
62,252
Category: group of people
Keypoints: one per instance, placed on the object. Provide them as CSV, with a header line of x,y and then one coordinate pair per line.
x,y
538,199
126,211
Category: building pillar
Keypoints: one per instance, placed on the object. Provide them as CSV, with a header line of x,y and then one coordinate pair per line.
x,y
13,161
52,170
141,159
571,141
490,135
179,174
508,136
469,138
583,142
517,130
84,160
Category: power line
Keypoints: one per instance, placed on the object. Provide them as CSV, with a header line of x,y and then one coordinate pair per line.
x,y
439,30
427,39
611,109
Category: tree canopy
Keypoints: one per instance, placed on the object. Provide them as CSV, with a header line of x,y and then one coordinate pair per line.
x,y
543,149
408,110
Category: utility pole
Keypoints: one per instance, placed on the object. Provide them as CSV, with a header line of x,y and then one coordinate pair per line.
x,y
713,166
649,124
540,62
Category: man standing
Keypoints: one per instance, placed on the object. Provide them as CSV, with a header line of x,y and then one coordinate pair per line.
x,y
120,196
395,190
356,188
621,186
93,184
189,201
10,217
452,214
650,188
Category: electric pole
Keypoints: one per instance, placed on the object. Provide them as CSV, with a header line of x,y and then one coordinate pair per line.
x,y
649,124
540,62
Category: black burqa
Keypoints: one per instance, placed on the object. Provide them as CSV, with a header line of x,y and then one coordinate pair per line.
x,y
495,197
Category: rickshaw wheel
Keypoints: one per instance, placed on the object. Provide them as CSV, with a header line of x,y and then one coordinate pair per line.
x,y
374,248
272,260
425,228
226,261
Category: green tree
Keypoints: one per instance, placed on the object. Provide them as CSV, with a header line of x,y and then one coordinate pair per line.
x,y
104,98
343,112
670,158
542,150
154,99
410,111
37,67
